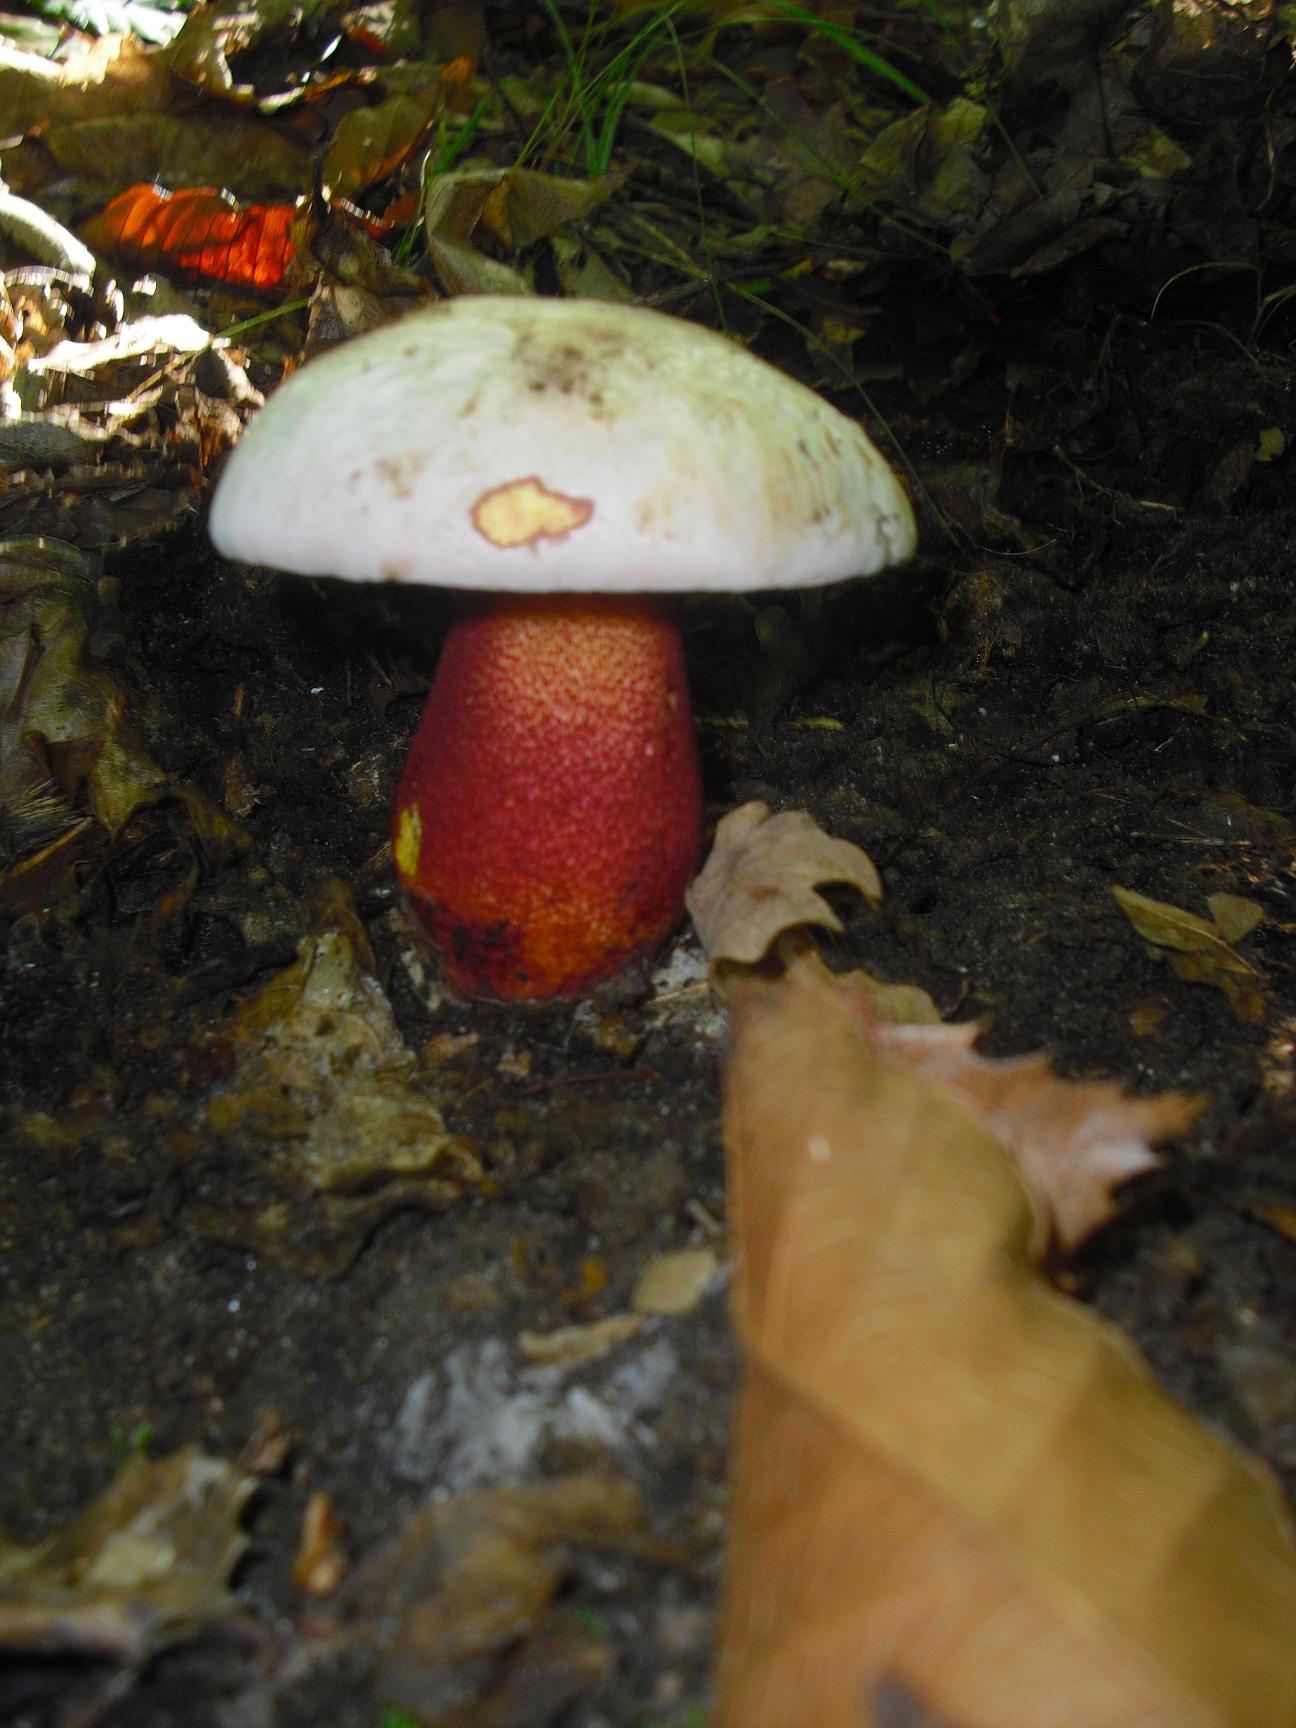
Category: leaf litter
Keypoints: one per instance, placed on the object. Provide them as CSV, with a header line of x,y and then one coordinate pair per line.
x,y
922,1418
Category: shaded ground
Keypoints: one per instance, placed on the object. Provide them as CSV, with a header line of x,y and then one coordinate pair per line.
x,y
1086,681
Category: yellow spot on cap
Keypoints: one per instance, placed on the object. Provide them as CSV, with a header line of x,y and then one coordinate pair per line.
x,y
523,511
409,839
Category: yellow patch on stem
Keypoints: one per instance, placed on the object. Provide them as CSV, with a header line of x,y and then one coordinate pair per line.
x,y
409,838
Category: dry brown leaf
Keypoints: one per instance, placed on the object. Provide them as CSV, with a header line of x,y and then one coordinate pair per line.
x,y
369,144
1073,1141
951,1479
761,877
320,1563
466,1591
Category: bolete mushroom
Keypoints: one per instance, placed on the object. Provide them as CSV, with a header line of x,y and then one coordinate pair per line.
x,y
566,464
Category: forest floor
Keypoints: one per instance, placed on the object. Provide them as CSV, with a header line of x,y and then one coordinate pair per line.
x,y
1085,681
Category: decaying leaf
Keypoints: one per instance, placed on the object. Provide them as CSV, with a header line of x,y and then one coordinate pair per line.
x,y
932,160
675,1282
145,1565
568,1345
510,208
950,1479
325,1107
761,880
113,76
321,1560
459,1603
214,35
118,419
371,143
229,149
65,721
1201,950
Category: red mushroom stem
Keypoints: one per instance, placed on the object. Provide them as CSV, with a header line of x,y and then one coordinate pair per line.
x,y
549,815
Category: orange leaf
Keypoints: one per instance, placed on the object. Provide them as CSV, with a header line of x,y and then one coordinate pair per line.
x,y
199,232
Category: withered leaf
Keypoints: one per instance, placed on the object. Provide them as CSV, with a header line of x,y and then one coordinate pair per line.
x,y
1201,949
951,1479
371,143
145,1565
512,208
232,150
1074,1142
65,721
113,76
761,880
455,1600
327,1126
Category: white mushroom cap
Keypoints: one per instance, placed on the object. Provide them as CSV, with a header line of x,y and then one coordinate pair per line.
x,y
537,445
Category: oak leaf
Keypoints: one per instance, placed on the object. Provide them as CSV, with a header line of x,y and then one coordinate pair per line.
x,y
954,1484
761,880
1073,1141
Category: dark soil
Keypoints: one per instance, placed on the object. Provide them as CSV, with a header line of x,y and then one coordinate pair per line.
x,y
1085,681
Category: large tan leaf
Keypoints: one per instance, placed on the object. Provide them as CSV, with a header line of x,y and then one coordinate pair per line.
x,y
951,1479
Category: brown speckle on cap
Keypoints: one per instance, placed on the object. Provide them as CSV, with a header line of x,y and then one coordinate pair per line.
x,y
523,512
402,473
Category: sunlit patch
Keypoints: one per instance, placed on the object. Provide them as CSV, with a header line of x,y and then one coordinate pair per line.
x,y
522,512
1278,1062
409,841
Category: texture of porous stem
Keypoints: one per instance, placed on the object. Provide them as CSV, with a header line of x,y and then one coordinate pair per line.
x,y
548,817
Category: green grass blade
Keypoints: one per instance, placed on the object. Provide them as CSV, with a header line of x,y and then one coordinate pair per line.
x,y
850,43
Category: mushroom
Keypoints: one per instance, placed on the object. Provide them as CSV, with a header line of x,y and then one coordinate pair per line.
x,y
566,464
